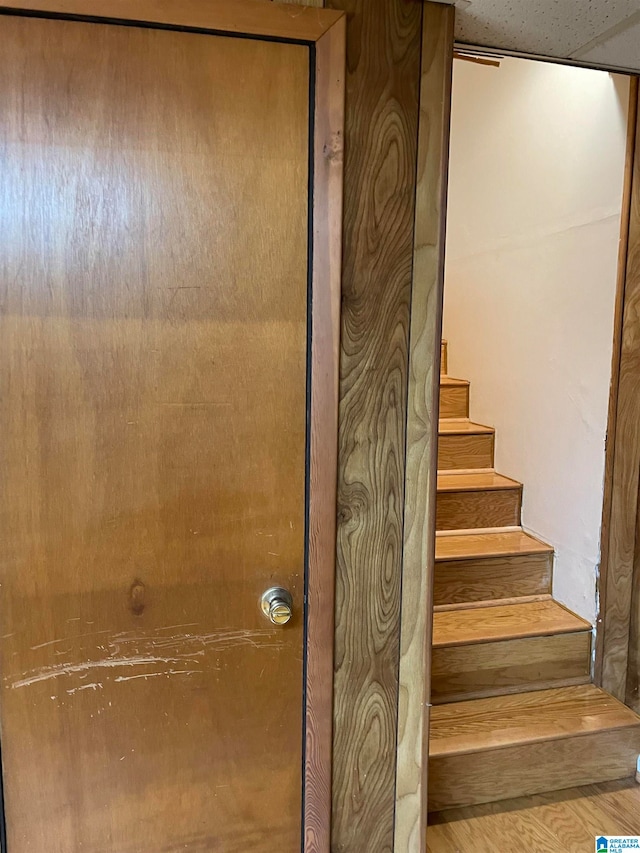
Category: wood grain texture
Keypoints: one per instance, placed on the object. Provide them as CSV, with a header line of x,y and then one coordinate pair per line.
x,y
567,820
444,357
478,508
454,398
532,768
620,650
422,427
507,666
463,728
499,602
467,546
473,481
504,622
251,17
486,578
632,697
383,62
471,446
153,341
606,544
325,318
462,426
491,749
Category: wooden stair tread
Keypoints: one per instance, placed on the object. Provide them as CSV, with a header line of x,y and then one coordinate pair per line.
x,y
483,624
462,426
477,545
522,718
474,481
453,382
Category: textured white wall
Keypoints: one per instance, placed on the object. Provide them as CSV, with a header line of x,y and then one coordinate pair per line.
x,y
536,172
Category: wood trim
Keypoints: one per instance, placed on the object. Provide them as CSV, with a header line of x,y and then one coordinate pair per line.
x,y
247,17
620,558
615,374
325,355
422,429
478,60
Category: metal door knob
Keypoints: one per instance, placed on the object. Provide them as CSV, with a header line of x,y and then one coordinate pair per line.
x,y
277,605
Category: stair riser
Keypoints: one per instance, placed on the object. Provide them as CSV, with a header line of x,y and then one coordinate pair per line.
x,y
499,774
488,578
454,401
443,357
476,509
480,670
465,451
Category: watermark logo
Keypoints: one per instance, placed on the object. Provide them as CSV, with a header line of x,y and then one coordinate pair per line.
x,y
616,843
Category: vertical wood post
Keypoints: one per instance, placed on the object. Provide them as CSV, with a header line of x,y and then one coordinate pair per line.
x,y
618,635
422,429
384,40
381,131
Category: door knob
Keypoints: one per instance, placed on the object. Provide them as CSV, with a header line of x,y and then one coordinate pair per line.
x,y
277,605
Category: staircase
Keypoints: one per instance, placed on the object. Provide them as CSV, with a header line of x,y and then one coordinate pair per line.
x,y
514,711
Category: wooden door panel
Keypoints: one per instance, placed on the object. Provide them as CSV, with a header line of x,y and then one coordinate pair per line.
x,y
153,358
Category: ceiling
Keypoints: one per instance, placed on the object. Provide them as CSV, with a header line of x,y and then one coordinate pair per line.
x,y
598,32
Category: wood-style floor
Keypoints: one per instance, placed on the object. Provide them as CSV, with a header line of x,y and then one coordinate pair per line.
x,y
559,822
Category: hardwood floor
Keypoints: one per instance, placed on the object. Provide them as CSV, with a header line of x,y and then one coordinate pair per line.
x,y
559,822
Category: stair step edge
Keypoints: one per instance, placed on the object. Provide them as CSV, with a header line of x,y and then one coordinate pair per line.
x,y
530,739
614,717
506,637
477,480
524,741
463,426
494,602
536,547
453,382
477,531
494,555
501,622
447,472
488,693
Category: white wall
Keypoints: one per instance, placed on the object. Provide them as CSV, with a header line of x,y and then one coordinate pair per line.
x,y
536,172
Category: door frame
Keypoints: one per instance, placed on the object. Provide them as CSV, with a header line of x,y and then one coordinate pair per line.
x,y
617,639
617,662
617,636
324,32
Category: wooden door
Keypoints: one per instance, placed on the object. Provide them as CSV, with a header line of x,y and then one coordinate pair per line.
x,y
154,447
